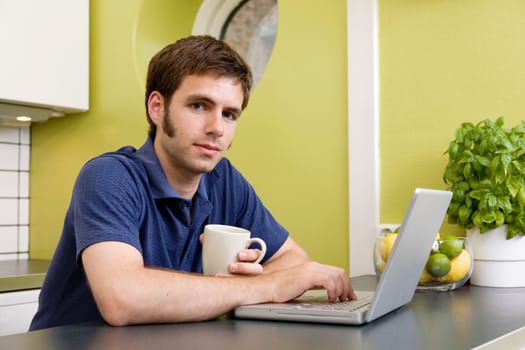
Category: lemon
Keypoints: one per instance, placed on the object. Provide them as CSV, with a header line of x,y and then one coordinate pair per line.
x,y
382,265
459,268
425,277
451,248
386,244
438,265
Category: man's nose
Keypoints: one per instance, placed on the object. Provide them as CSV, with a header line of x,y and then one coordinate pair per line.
x,y
215,123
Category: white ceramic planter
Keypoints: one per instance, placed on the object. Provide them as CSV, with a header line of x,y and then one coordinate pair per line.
x,y
498,262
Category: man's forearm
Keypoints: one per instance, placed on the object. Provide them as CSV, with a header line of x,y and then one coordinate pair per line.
x,y
158,296
126,292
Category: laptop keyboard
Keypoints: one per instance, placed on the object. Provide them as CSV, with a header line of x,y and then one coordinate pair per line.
x,y
364,299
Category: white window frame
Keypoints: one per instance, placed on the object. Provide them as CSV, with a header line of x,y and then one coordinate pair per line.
x,y
363,135
212,15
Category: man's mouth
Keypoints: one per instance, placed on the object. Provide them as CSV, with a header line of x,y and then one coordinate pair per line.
x,y
208,149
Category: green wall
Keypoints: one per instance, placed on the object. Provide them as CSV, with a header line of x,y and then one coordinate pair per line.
x,y
291,140
442,63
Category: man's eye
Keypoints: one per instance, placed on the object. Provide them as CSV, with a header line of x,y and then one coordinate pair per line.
x,y
197,105
230,116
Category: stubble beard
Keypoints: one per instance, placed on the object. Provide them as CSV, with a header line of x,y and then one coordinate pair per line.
x,y
167,126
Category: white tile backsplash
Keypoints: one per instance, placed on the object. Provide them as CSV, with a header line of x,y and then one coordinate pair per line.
x,y
9,155
11,135
23,184
24,157
15,148
8,239
25,136
23,211
23,239
9,184
8,211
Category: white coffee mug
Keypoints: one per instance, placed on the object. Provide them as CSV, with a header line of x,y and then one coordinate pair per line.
x,y
220,247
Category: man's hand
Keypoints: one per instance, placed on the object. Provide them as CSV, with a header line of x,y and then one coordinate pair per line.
x,y
246,262
293,282
246,265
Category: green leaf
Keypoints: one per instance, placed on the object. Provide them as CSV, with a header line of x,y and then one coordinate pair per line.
x,y
483,161
511,232
466,170
506,159
513,186
453,149
492,201
476,194
476,219
504,204
521,196
519,166
473,182
486,184
500,218
464,213
501,175
468,202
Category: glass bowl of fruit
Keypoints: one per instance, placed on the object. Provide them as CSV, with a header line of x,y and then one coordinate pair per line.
x,y
449,263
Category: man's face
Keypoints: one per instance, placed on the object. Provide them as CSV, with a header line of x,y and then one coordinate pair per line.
x,y
198,125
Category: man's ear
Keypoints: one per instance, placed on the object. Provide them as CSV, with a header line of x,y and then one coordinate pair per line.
x,y
156,107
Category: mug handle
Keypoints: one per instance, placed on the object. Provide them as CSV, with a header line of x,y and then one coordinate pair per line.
x,y
261,243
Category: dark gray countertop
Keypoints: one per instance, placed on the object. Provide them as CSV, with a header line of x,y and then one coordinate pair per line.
x,y
22,274
460,319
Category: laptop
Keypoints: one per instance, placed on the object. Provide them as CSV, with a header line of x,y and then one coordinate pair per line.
x,y
396,286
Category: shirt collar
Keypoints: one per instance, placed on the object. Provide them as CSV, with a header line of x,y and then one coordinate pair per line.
x,y
159,183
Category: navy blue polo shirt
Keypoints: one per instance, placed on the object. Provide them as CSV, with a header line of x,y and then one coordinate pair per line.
x,y
124,196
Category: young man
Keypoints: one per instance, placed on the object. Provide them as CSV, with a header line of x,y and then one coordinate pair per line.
x,y
130,251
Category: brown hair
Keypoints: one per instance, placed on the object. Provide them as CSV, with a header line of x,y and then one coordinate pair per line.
x,y
194,55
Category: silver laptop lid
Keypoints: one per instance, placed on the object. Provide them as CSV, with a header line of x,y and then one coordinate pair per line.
x,y
417,233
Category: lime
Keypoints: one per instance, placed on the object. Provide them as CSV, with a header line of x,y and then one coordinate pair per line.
x,y
460,267
438,265
451,248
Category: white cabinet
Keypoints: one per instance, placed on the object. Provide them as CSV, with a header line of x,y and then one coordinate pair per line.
x,y
17,310
44,56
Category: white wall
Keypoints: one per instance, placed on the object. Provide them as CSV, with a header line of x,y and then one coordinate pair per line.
x,y
14,192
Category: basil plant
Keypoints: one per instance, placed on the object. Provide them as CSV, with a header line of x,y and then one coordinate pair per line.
x,y
486,173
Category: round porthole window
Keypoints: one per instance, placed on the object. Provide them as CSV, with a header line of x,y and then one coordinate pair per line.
x,y
249,26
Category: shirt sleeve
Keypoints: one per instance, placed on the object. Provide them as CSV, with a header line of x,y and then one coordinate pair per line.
x,y
105,204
